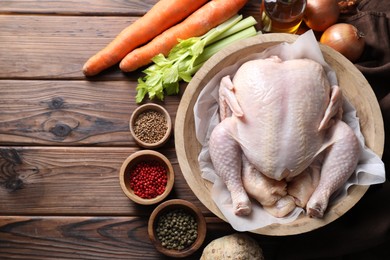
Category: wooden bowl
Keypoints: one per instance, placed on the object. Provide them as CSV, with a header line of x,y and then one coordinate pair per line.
x,y
355,88
142,109
131,162
171,205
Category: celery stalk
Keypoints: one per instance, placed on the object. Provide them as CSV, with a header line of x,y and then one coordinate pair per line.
x,y
219,45
243,24
163,76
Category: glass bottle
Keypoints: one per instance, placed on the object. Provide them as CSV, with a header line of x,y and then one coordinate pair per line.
x,y
282,16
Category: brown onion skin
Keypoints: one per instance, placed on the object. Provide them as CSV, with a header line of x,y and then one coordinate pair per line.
x,y
321,14
346,39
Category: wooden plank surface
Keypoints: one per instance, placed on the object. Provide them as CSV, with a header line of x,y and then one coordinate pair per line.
x,y
54,47
63,138
63,112
73,181
64,237
71,7
91,7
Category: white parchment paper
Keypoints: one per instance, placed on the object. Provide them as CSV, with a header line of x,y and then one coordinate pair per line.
x,y
370,169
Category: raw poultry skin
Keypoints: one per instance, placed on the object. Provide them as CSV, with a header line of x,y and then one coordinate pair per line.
x,y
281,140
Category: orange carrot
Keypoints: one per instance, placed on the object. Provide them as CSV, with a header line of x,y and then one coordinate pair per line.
x,y
161,16
198,23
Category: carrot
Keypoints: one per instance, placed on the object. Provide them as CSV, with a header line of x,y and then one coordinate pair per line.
x,y
198,23
161,16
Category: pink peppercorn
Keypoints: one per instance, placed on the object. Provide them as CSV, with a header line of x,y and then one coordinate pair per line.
x,y
148,179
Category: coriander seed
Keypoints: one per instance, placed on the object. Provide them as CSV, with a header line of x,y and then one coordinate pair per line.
x,y
150,126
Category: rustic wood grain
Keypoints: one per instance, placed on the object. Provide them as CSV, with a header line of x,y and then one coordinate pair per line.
x,y
55,47
70,112
33,50
92,7
73,181
63,138
71,7
64,237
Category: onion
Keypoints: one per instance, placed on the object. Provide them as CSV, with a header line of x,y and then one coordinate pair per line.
x,y
346,39
320,14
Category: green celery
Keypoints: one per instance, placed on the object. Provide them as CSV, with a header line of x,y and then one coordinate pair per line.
x,y
217,46
243,24
164,75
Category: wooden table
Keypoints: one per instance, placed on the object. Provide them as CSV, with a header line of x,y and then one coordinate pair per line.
x,y
63,138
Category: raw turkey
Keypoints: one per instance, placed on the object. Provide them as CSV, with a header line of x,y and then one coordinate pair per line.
x,y
281,140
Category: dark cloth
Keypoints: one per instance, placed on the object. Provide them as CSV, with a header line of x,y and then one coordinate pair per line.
x,y
372,17
364,231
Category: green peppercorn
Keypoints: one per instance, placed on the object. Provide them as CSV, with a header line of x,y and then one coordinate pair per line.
x,y
176,229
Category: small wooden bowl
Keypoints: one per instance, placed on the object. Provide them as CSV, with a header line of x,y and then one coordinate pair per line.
x,y
171,205
132,161
154,107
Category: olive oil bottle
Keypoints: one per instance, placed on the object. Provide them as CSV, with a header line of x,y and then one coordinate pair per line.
x,y
282,16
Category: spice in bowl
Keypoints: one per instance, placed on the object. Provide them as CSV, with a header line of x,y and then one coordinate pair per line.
x,y
146,177
177,229
150,125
